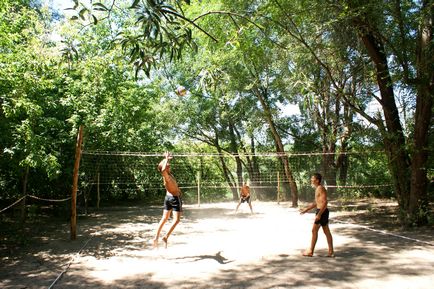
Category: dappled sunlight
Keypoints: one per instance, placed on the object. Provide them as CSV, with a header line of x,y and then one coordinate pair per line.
x,y
115,268
394,281
214,245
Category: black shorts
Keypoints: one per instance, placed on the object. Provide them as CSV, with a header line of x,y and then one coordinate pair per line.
x,y
324,221
246,199
173,203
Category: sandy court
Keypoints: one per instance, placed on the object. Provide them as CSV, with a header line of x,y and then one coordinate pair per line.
x,y
214,248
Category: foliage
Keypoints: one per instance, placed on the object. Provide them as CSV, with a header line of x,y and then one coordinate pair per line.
x,y
301,53
32,115
156,28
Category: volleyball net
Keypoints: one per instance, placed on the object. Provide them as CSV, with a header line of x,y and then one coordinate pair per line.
x,y
216,177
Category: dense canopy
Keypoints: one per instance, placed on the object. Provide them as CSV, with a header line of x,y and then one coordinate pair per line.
x,y
349,81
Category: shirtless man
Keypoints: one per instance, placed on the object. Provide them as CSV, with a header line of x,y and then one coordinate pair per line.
x,y
245,197
172,201
321,216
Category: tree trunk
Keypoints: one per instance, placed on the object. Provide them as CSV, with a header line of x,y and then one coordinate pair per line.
x,y
252,165
393,136
227,176
234,149
329,172
255,174
279,148
418,203
342,162
326,113
226,172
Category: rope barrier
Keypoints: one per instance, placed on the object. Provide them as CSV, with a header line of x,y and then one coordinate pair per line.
x,y
10,206
49,200
69,264
36,198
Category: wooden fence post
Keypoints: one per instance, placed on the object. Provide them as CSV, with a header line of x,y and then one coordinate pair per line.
x,y
75,184
98,197
278,188
198,188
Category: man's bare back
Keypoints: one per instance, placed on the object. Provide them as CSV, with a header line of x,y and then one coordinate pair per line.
x,y
170,184
168,179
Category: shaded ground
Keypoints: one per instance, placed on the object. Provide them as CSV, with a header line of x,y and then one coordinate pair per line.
x,y
214,248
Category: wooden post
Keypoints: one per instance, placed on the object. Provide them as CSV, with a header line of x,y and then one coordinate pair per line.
x,y
278,188
198,188
86,197
75,184
98,196
24,201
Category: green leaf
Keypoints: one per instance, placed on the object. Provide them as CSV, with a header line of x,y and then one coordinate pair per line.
x,y
100,7
135,4
75,4
82,12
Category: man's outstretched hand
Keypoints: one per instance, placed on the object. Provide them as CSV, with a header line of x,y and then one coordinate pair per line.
x,y
168,155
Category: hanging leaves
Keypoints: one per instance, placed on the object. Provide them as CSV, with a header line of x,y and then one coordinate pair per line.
x,y
159,30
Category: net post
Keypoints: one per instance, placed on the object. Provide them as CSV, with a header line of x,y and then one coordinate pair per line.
x,y
75,184
198,188
24,201
278,188
98,196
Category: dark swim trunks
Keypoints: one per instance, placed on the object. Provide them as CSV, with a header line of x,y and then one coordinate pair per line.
x,y
173,203
246,199
324,217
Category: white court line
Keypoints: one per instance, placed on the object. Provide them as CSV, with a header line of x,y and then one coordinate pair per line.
x,y
70,262
384,232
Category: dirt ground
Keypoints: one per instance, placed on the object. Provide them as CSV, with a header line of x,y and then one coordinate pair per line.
x,y
213,247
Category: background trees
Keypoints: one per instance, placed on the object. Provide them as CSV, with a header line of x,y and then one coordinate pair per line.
x,y
360,74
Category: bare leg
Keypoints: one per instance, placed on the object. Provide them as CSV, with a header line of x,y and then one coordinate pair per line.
x,y
329,237
164,218
315,229
250,205
176,219
239,203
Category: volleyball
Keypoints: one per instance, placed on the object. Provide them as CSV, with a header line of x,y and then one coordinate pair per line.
x,y
181,91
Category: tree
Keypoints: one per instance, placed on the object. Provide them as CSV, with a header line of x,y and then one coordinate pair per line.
x,y
398,58
415,25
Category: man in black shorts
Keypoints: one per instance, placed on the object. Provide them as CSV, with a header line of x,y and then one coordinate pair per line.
x,y
172,201
245,197
321,216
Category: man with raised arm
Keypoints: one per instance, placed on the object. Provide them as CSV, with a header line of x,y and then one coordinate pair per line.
x,y
321,216
245,197
172,201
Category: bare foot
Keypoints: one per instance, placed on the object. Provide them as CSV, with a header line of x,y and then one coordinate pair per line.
x,y
155,243
307,253
165,241
331,255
